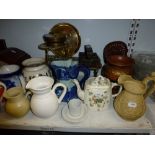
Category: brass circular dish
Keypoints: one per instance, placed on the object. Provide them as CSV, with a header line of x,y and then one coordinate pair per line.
x,y
71,40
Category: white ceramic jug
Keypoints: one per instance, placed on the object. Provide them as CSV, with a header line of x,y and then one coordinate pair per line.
x,y
44,102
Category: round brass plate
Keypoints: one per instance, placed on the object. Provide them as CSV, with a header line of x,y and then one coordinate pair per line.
x,y
71,42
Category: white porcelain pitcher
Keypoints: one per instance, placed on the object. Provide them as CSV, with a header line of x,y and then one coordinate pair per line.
x,y
44,102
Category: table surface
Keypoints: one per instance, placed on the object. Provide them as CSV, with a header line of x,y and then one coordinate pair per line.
x,y
106,121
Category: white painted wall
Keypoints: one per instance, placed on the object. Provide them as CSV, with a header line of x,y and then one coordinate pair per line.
x,y
27,34
145,41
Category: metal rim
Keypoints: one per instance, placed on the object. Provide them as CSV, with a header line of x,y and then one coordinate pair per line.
x,y
78,40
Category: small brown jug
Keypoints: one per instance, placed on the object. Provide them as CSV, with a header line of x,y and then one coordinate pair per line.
x,y
17,104
130,103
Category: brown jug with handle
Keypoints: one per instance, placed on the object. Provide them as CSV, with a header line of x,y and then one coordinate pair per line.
x,y
130,103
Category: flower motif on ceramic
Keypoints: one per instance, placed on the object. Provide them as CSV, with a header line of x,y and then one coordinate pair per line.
x,y
98,99
100,82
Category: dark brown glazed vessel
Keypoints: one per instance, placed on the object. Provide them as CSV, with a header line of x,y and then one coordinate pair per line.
x,y
114,48
116,66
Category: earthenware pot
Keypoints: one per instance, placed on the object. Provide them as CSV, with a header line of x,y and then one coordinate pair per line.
x,y
114,48
17,104
117,65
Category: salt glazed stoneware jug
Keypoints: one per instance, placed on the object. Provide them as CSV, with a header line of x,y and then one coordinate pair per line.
x,y
44,101
130,103
97,92
17,104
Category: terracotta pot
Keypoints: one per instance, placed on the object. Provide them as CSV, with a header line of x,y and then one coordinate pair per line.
x,y
116,66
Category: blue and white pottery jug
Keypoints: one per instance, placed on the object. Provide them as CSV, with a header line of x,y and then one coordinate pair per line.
x,y
66,70
11,76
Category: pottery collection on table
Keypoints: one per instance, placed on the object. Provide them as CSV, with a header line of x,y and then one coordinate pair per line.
x,y
41,86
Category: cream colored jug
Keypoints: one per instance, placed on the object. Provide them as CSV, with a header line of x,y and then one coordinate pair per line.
x,y
17,104
44,101
130,103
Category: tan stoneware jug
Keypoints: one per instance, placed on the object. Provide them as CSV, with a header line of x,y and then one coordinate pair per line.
x,y
130,103
17,104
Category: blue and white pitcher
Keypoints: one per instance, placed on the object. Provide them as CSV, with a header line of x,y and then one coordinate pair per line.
x,y
66,70
11,76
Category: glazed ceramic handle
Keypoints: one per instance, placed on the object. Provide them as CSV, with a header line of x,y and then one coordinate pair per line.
x,y
120,89
63,92
28,94
149,89
86,74
2,91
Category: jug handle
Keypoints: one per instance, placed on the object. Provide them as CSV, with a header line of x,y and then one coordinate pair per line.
x,y
4,86
63,92
150,90
120,89
80,68
27,94
86,72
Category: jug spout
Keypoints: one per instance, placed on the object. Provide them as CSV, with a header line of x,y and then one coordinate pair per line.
x,y
28,86
80,92
123,77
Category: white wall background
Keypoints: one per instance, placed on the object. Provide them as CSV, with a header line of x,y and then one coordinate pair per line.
x,y
27,34
145,41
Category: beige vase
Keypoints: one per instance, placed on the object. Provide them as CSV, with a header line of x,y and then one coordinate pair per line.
x,y
17,104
